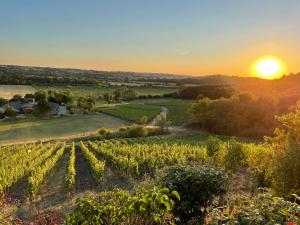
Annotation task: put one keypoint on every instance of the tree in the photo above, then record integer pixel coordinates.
(3, 102)
(10, 112)
(16, 98)
(286, 162)
(43, 106)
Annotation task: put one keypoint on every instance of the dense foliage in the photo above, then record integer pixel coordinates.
(148, 207)
(286, 158)
(210, 91)
(263, 209)
(240, 115)
(198, 185)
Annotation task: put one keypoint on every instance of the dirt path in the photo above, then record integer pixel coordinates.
(241, 183)
(114, 178)
(84, 177)
(163, 110)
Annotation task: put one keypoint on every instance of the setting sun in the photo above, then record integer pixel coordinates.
(269, 68)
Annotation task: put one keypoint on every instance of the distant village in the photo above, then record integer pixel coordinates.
(25, 106)
(35, 104)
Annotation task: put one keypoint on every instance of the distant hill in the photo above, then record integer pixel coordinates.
(287, 86)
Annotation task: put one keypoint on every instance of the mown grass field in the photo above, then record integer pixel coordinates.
(35, 129)
(133, 111)
(8, 91)
(96, 91)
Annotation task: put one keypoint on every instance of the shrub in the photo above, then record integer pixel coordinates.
(197, 185)
(148, 206)
(10, 112)
(137, 131)
(260, 210)
(103, 131)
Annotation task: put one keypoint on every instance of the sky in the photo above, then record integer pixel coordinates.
(196, 37)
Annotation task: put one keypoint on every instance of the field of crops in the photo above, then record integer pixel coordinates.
(45, 173)
(133, 111)
(50, 176)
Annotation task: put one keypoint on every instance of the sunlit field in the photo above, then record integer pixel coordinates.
(47, 129)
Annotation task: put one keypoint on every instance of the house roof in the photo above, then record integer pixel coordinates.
(17, 105)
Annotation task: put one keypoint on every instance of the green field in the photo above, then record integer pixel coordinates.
(96, 91)
(177, 110)
(132, 112)
(8, 91)
(36, 129)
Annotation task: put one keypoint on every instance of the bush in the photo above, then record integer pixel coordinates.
(259, 210)
(10, 112)
(137, 131)
(103, 131)
(148, 207)
(197, 185)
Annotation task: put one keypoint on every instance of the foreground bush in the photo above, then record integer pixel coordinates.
(148, 207)
(197, 185)
(263, 209)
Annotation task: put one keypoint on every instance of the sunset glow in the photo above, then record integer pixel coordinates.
(269, 68)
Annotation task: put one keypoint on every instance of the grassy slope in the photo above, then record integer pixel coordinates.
(132, 112)
(177, 109)
(29, 130)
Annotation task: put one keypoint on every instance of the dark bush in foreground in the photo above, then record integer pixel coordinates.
(148, 207)
(197, 185)
(259, 210)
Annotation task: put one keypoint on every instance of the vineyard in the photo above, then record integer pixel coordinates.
(32, 163)
(29, 172)
(45, 176)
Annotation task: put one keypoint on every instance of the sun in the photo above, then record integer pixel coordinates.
(269, 68)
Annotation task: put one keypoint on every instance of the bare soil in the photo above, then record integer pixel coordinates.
(84, 177)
